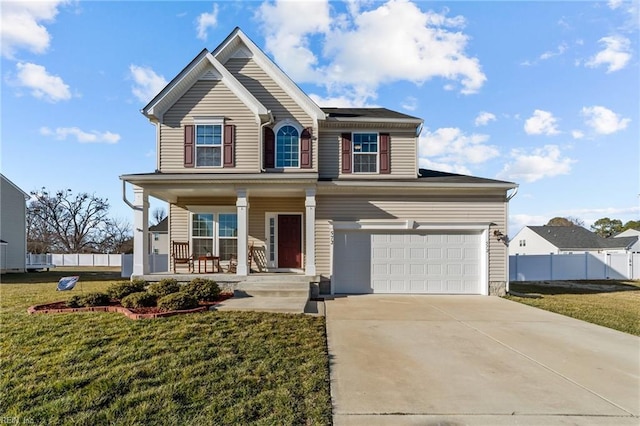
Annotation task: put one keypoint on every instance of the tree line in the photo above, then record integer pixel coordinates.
(605, 227)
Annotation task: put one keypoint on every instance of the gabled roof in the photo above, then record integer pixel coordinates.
(162, 226)
(237, 40)
(203, 63)
(15, 186)
(579, 238)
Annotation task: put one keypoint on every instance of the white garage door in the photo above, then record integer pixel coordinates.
(431, 263)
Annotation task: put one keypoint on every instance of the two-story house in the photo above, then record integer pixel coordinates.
(247, 159)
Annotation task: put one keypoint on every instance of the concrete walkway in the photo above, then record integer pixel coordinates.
(474, 360)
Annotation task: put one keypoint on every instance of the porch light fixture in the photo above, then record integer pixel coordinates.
(500, 236)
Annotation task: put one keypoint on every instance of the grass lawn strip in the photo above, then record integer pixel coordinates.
(209, 368)
(615, 304)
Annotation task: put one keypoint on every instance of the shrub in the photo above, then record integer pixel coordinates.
(122, 289)
(141, 299)
(164, 287)
(177, 302)
(95, 299)
(203, 289)
(75, 302)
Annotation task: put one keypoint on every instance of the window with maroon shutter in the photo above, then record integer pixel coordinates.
(228, 145)
(346, 153)
(305, 148)
(385, 154)
(269, 148)
(189, 133)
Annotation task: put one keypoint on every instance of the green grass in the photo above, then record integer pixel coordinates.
(209, 368)
(616, 306)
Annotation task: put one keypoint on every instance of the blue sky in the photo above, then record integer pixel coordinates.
(545, 94)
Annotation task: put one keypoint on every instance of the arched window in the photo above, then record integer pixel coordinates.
(287, 147)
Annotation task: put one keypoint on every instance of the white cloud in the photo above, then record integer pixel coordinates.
(43, 85)
(147, 84)
(577, 134)
(450, 149)
(541, 123)
(519, 221)
(615, 55)
(614, 4)
(371, 45)
(535, 165)
(604, 121)
(62, 133)
(550, 54)
(410, 103)
(484, 118)
(21, 25)
(205, 21)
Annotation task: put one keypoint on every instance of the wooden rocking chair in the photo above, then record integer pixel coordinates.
(181, 256)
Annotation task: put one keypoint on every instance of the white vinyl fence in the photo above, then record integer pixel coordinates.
(157, 263)
(583, 266)
(76, 259)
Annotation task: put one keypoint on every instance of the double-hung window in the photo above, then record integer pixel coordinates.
(215, 234)
(287, 147)
(209, 141)
(365, 152)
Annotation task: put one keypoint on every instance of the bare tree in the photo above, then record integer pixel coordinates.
(158, 215)
(117, 237)
(62, 222)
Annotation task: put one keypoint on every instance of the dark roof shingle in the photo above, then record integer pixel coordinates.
(577, 237)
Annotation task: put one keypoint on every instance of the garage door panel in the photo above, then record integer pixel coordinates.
(411, 262)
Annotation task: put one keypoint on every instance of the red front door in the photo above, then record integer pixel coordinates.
(289, 241)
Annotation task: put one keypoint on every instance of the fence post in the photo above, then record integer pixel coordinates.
(586, 265)
(515, 278)
(551, 267)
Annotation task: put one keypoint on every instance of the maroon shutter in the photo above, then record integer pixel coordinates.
(346, 153)
(305, 148)
(385, 154)
(228, 146)
(269, 148)
(189, 146)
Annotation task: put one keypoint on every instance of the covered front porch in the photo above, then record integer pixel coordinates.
(261, 225)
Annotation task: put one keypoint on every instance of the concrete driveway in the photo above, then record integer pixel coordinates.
(477, 360)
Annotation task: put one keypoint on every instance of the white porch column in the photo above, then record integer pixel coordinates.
(310, 232)
(140, 231)
(242, 206)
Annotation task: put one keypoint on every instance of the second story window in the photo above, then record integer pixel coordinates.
(287, 147)
(209, 145)
(365, 153)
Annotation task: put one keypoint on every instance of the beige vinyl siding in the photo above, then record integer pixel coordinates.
(209, 98)
(403, 154)
(428, 209)
(271, 95)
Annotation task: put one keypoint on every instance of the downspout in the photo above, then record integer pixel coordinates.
(506, 231)
(124, 196)
(261, 137)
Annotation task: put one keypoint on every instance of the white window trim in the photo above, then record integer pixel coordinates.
(353, 154)
(208, 121)
(276, 128)
(273, 266)
(215, 211)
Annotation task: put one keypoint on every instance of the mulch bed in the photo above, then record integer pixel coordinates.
(115, 306)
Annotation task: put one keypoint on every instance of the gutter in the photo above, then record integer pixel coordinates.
(261, 138)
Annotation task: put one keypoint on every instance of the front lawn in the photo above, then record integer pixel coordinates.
(613, 304)
(206, 368)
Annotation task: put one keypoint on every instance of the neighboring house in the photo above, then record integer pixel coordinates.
(13, 227)
(565, 240)
(159, 237)
(246, 159)
(631, 233)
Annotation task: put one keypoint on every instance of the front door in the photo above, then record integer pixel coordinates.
(289, 241)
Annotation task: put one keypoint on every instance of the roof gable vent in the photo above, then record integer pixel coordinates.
(210, 74)
(242, 52)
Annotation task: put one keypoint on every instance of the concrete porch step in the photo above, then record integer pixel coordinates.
(272, 289)
(291, 305)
